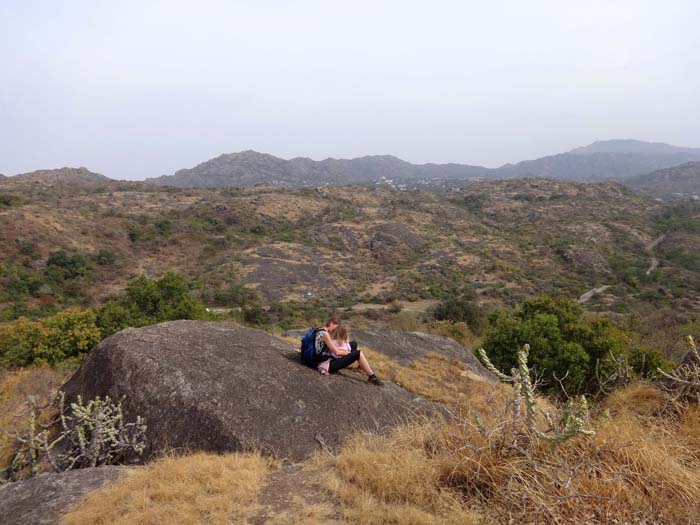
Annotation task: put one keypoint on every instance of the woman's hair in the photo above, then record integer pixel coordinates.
(342, 333)
(335, 319)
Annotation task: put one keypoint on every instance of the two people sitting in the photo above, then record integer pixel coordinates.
(336, 352)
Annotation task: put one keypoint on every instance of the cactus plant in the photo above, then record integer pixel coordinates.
(573, 418)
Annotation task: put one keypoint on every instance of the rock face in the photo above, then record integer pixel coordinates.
(43, 499)
(222, 387)
(407, 347)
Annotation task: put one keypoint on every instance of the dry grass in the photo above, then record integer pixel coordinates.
(640, 399)
(201, 488)
(437, 378)
(382, 480)
(641, 467)
(15, 387)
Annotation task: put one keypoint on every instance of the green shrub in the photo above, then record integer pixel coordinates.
(293, 314)
(133, 232)
(461, 308)
(149, 301)
(255, 315)
(61, 266)
(7, 200)
(105, 258)
(29, 249)
(68, 334)
(163, 227)
(646, 363)
(18, 283)
(563, 343)
(113, 317)
(72, 332)
(237, 295)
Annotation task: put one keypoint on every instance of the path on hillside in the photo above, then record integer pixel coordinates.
(590, 293)
(649, 248)
(295, 494)
(653, 265)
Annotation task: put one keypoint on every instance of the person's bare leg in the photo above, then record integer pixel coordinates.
(364, 364)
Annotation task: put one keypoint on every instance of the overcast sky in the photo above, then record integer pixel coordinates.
(134, 89)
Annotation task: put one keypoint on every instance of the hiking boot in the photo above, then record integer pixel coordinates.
(374, 380)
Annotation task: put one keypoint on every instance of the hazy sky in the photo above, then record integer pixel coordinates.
(134, 89)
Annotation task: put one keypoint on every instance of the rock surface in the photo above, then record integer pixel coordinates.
(42, 500)
(407, 347)
(222, 387)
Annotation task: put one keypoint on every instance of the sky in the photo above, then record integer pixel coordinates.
(136, 89)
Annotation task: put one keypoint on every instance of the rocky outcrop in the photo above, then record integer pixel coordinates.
(43, 499)
(407, 347)
(222, 387)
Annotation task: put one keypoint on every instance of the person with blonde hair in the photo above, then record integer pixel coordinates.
(337, 351)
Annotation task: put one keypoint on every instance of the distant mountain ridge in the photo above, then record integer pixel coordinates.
(631, 146)
(602, 160)
(248, 168)
(681, 181)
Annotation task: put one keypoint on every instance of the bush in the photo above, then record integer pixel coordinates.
(133, 232)
(105, 258)
(462, 308)
(113, 317)
(255, 315)
(163, 227)
(237, 295)
(7, 200)
(61, 266)
(646, 363)
(18, 283)
(563, 343)
(149, 301)
(68, 334)
(293, 314)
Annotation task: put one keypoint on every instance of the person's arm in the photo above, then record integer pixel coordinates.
(329, 343)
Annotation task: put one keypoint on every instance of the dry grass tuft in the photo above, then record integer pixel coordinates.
(639, 399)
(201, 488)
(437, 378)
(16, 386)
(382, 480)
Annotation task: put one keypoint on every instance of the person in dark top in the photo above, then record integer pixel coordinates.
(340, 356)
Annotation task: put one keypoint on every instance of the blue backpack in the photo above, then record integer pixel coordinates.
(308, 348)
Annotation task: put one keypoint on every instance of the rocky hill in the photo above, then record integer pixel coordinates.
(74, 176)
(249, 168)
(604, 160)
(678, 182)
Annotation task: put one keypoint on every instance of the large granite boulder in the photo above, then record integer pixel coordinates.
(407, 347)
(222, 387)
(43, 499)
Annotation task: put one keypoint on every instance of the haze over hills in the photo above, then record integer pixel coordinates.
(602, 160)
(681, 181)
(611, 160)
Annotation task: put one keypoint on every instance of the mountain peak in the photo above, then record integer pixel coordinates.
(631, 147)
(81, 174)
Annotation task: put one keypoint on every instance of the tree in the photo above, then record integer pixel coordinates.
(564, 345)
(461, 308)
(149, 301)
